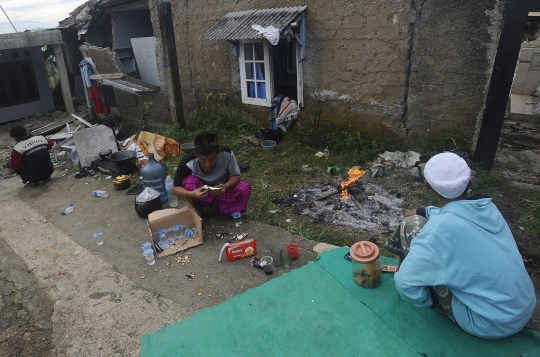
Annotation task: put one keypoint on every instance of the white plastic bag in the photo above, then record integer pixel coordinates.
(147, 195)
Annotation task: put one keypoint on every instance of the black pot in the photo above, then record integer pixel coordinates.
(143, 209)
(123, 158)
(103, 155)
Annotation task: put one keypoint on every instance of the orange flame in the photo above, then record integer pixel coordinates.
(354, 175)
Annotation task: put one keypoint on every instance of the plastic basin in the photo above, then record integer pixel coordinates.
(268, 145)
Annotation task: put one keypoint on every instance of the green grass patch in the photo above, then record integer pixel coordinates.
(531, 215)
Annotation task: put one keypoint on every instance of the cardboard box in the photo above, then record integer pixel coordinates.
(167, 218)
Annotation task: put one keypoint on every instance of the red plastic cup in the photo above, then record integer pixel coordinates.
(292, 250)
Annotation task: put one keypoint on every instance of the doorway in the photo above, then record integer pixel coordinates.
(285, 69)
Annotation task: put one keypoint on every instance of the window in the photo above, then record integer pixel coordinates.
(17, 83)
(255, 70)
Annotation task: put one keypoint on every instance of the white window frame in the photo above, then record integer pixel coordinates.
(268, 74)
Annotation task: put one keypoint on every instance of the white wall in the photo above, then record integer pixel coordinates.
(45, 104)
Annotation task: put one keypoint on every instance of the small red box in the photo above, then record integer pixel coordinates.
(241, 249)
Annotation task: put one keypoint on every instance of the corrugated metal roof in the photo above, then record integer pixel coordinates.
(237, 25)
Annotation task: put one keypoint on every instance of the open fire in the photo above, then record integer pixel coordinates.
(354, 175)
(370, 207)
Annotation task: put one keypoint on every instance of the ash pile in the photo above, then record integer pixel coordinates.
(365, 206)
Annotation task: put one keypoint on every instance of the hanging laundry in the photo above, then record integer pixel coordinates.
(86, 72)
(106, 90)
(95, 95)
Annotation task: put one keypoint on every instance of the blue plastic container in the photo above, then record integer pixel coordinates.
(153, 175)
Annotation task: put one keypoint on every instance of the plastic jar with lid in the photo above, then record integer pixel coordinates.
(366, 264)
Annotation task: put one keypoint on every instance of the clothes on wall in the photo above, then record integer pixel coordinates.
(99, 97)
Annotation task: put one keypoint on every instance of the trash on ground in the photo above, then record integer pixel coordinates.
(238, 250)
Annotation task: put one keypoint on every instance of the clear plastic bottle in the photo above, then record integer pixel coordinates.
(163, 239)
(75, 156)
(169, 185)
(190, 233)
(237, 218)
(68, 210)
(99, 193)
(179, 230)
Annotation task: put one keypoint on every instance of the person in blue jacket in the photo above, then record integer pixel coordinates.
(462, 259)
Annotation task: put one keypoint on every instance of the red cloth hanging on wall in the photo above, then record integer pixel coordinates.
(97, 102)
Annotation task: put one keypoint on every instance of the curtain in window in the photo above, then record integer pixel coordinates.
(261, 86)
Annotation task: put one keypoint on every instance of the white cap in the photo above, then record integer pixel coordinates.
(448, 174)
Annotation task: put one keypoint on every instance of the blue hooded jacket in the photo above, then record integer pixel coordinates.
(467, 246)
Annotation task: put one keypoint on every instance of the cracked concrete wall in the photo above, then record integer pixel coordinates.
(407, 68)
(452, 60)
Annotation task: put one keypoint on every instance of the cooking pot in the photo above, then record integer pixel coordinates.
(122, 182)
(143, 209)
(123, 158)
(104, 154)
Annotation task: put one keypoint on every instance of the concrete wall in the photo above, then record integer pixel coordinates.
(527, 76)
(387, 68)
(45, 104)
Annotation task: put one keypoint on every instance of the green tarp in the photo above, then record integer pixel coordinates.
(318, 310)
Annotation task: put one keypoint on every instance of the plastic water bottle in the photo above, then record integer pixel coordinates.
(99, 193)
(163, 239)
(179, 230)
(75, 157)
(237, 218)
(149, 255)
(68, 210)
(153, 175)
(169, 185)
(190, 233)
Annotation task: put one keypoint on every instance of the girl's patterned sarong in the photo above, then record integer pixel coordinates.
(233, 200)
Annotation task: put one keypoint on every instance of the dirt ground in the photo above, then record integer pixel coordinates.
(57, 291)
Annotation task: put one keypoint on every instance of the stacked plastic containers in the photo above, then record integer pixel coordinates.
(153, 175)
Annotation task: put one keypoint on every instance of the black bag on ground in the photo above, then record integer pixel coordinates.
(267, 134)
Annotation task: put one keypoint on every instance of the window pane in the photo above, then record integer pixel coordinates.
(251, 89)
(261, 90)
(248, 51)
(249, 70)
(259, 51)
(27, 72)
(260, 70)
(12, 71)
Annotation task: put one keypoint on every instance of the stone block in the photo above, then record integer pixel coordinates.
(523, 67)
(528, 88)
(517, 88)
(526, 54)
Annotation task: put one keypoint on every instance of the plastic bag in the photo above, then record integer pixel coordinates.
(147, 195)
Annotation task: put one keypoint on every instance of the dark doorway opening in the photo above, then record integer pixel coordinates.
(285, 71)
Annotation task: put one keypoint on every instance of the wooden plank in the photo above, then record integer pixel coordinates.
(97, 77)
(82, 121)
